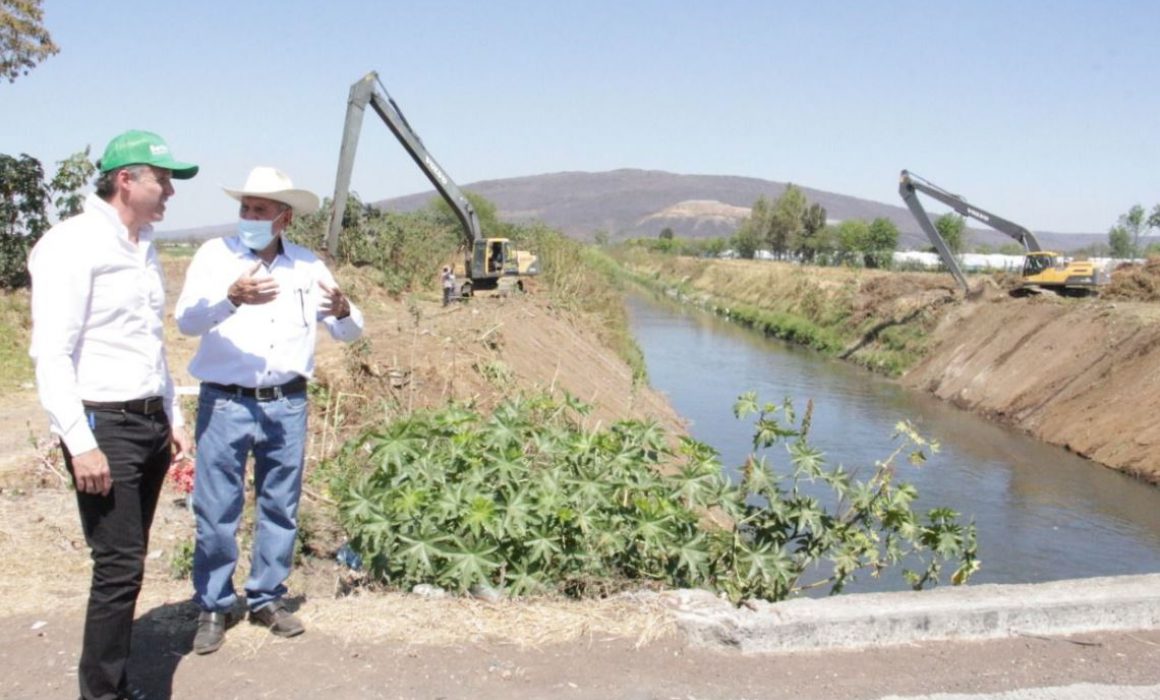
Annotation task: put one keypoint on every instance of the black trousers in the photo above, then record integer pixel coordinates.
(116, 528)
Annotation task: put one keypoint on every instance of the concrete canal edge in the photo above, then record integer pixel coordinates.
(953, 613)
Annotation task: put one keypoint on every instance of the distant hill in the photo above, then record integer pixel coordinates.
(641, 203)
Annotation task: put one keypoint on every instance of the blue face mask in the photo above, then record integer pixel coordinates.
(256, 235)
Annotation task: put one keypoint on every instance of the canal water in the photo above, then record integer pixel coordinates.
(1042, 513)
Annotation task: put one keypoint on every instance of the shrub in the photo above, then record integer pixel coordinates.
(529, 501)
(24, 198)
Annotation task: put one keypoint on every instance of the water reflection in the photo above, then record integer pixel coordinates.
(1042, 513)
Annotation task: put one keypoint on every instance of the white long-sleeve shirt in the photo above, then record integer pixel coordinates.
(257, 345)
(98, 301)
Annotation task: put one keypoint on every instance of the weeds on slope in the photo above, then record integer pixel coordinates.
(528, 501)
(876, 319)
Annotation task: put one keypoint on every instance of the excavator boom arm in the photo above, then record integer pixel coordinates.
(363, 93)
(910, 183)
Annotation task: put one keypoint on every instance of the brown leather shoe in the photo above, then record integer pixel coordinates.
(280, 620)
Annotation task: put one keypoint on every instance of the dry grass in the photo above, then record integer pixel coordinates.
(15, 332)
(399, 617)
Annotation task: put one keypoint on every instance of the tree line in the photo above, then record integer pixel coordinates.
(1124, 239)
(792, 228)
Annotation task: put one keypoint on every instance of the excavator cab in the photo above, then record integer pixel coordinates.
(1035, 263)
(490, 257)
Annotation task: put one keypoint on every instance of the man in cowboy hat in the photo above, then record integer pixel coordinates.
(98, 300)
(255, 299)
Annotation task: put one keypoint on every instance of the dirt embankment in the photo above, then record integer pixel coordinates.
(416, 353)
(1081, 373)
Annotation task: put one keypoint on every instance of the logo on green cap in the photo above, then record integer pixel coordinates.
(143, 148)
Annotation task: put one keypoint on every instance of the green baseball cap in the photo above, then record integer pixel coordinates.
(143, 148)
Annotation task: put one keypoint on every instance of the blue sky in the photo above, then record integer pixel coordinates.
(1038, 111)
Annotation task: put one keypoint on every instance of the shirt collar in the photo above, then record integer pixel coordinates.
(96, 205)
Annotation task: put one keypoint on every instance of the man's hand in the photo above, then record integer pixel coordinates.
(335, 302)
(249, 290)
(181, 444)
(91, 472)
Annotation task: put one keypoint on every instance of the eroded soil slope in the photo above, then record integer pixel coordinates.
(1081, 373)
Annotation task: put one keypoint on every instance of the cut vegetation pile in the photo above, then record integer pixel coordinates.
(1135, 282)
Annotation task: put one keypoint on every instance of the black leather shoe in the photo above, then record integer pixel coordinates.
(211, 632)
(280, 620)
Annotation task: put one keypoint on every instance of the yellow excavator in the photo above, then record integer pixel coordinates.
(1042, 269)
(489, 263)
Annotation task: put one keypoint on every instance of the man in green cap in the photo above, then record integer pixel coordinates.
(98, 300)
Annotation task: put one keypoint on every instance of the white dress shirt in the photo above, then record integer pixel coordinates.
(98, 301)
(257, 345)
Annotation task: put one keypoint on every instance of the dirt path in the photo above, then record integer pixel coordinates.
(38, 654)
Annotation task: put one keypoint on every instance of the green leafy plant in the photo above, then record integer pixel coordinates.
(181, 564)
(24, 198)
(527, 500)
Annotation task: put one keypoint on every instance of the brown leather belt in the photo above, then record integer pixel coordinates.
(262, 393)
(145, 407)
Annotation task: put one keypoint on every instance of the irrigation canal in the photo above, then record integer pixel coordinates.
(1042, 513)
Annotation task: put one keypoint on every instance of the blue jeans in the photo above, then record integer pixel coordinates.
(229, 428)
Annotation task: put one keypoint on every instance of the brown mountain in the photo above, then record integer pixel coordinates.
(631, 203)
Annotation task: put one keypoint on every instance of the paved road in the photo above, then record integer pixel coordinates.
(1083, 691)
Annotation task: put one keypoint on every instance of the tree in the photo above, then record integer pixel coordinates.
(71, 175)
(746, 240)
(852, 236)
(666, 234)
(786, 220)
(715, 246)
(811, 241)
(486, 215)
(1120, 241)
(601, 237)
(952, 227)
(1135, 224)
(24, 42)
(751, 233)
(882, 240)
(23, 219)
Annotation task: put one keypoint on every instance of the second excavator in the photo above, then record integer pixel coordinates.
(1042, 269)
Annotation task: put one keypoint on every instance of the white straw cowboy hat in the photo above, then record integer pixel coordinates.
(271, 183)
